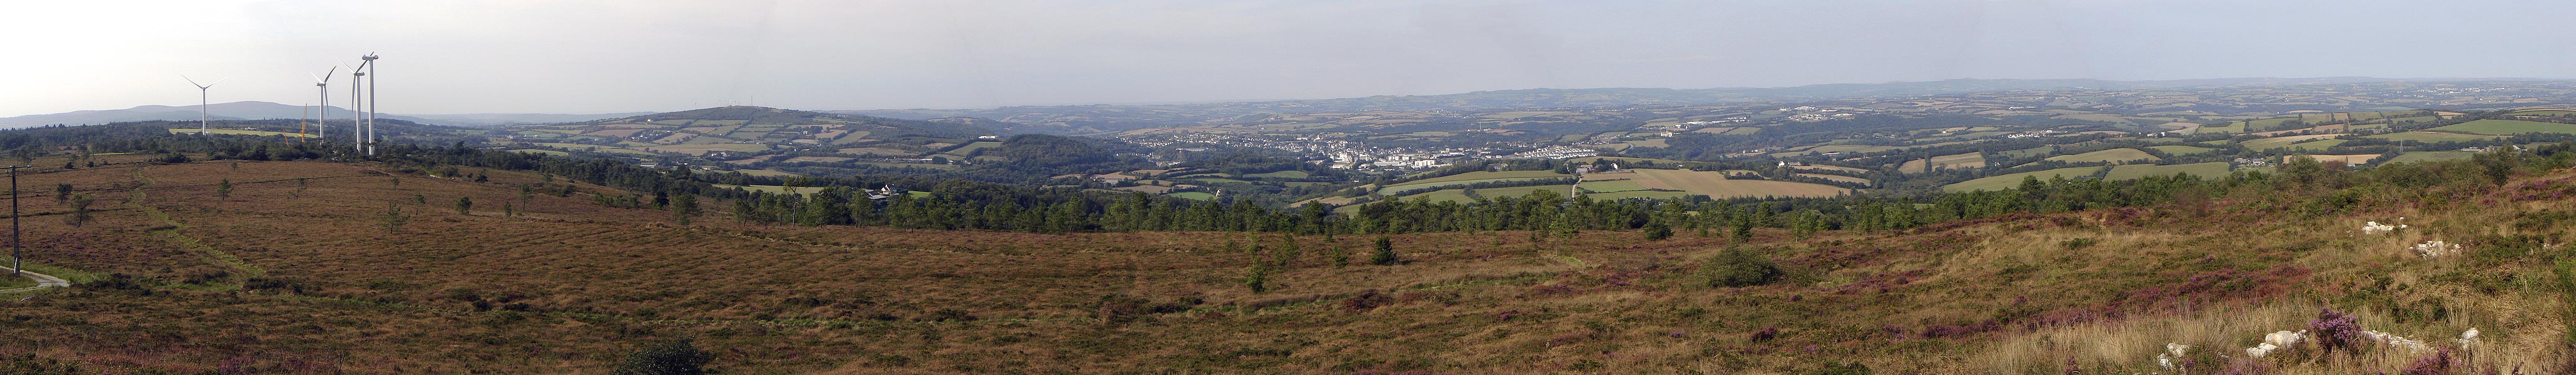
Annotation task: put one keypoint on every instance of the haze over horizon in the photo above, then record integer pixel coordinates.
(597, 56)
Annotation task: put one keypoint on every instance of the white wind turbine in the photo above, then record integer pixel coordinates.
(322, 90)
(201, 101)
(370, 60)
(364, 122)
(357, 130)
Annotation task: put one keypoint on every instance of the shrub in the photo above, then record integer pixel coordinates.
(1845, 368)
(2336, 331)
(1658, 231)
(1736, 267)
(2437, 364)
(1766, 334)
(1257, 277)
(666, 357)
(1385, 254)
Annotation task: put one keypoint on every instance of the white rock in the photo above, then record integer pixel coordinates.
(2285, 338)
(2258, 351)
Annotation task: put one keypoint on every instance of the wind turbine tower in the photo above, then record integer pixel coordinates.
(370, 62)
(357, 108)
(201, 102)
(362, 108)
(322, 90)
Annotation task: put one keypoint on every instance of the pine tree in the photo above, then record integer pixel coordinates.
(393, 218)
(224, 189)
(667, 357)
(1257, 277)
(683, 208)
(465, 206)
(1385, 254)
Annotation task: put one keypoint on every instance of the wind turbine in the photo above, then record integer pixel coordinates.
(370, 62)
(357, 83)
(201, 101)
(322, 90)
(363, 122)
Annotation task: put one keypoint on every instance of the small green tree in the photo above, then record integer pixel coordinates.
(1337, 254)
(62, 192)
(1657, 231)
(1288, 252)
(508, 210)
(80, 210)
(679, 356)
(465, 206)
(683, 208)
(1743, 230)
(224, 189)
(393, 218)
(1736, 267)
(1385, 254)
(1257, 277)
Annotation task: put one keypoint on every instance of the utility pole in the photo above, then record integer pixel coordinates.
(17, 263)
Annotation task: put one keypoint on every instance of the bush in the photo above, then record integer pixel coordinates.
(1385, 254)
(667, 357)
(1658, 232)
(1846, 368)
(1735, 267)
(2336, 331)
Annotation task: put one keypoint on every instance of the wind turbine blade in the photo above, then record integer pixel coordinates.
(192, 81)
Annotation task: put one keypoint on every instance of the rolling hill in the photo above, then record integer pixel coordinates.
(736, 132)
(255, 110)
(322, 267)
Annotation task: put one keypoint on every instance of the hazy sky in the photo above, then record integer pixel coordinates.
(473, 56)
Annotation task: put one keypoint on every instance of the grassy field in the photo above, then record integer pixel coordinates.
(1835, 177)
(1836, 168)
(2029, 152)
(1479, 176)
(2430, 136)
(772, 189)
(1715, 185)
(1638, 194)
(2416, 156)
(1197, 195)
(2111, 155)
(283, 278)
(240, 132)
(1953, 161)
(2358, 159)
(2181, 150)
(2136, 171)
(1560, 190)
(2300, 142)
(2013, 180)
(1470, 178)
(1279, 174)
(1611, 186)
(1957, 161)
(2507, 127)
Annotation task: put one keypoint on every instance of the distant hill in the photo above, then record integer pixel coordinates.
(745, 131)
(1089, 119)
(255, 110)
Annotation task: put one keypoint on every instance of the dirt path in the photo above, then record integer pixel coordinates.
(42, 281)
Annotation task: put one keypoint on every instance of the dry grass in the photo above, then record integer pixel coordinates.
(278, 280)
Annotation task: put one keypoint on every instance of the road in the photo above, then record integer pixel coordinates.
(42, 281)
